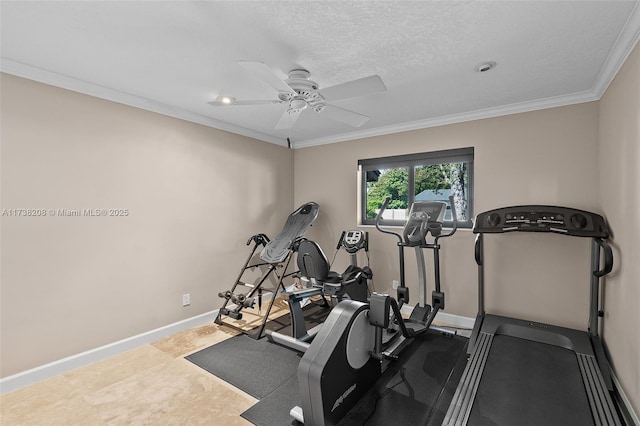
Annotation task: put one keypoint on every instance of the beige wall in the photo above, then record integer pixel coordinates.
(194, 195)
(586, 156)
(71, 284)
(619, 182)
(542, 157)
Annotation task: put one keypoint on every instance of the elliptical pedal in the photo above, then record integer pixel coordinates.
(420, 313)
(389, 335)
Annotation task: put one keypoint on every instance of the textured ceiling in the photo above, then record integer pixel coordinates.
(175, 56)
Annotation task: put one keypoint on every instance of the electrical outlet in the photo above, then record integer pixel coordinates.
(395, 284)
(186, 299)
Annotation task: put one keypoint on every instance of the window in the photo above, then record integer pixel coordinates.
(429, 176)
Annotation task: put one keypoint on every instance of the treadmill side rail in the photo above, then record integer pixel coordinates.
(602, 408)
(462, 402)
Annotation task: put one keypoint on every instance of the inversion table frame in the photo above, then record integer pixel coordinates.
(276, 257)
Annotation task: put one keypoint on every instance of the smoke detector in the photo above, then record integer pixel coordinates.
(486, 66)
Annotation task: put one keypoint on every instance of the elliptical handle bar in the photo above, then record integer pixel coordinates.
(454, 228)
(379, 218)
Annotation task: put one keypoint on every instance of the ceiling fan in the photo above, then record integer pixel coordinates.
(299, 92)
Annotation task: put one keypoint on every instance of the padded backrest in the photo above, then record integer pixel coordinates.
(312, 262)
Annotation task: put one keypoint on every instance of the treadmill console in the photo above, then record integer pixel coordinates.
(535, 218)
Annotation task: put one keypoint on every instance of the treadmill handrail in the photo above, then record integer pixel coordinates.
(477, 248)
(608, 258)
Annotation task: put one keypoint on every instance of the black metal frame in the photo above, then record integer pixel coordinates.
(242, 301)
(590, 355)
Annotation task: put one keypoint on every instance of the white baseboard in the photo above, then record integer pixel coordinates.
(37, 374)
(455, 320)
(443, 317)
(34, 375)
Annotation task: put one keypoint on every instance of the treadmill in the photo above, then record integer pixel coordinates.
(521, 372)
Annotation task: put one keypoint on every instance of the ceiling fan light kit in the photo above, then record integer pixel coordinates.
(227, 100)
(298, 92)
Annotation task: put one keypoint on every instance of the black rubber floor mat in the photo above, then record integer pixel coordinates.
(256, 367)
(417, 388)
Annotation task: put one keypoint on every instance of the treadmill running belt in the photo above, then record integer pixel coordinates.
(529, 383)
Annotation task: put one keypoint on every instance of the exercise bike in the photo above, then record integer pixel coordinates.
(317, 279)
(358, 340)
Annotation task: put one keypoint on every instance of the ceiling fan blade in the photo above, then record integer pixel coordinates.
(267, 75)
(344, 115)
(288, 119)
(351, 89)
(221, 103)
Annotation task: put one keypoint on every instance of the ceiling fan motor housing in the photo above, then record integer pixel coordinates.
(305, 92)
(299, 78)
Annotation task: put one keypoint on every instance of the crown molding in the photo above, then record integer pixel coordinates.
(515, 108)
(622, 48)
(624, 45)
(18, 69)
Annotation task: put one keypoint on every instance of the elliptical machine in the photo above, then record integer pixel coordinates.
(425, 217)
(357, 340)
